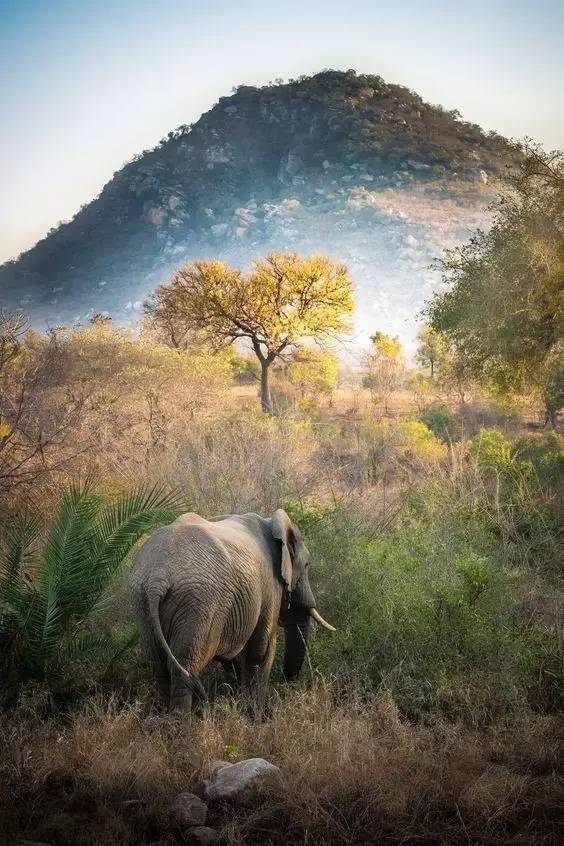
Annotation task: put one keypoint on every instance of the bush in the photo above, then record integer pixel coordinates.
(492, 450)
(488, 414)
(519, 508)
(45, 630)
(442, 423)
(243, 462)
(400, 451)
(431, 610)
(545, 451)
(246, 369)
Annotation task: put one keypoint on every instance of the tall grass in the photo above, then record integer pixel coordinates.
(353, 772)
(432, 715)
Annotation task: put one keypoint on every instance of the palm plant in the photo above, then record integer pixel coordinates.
(47, 598)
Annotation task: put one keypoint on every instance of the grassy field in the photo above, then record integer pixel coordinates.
(354, 771)
(434, 715)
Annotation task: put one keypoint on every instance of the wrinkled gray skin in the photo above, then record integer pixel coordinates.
(219, 588)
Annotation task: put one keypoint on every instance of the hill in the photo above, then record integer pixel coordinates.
(340, 163)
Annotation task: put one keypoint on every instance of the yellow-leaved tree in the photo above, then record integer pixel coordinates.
(384, 368)
(283, 300)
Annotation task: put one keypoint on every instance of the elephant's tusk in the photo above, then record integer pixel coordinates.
(313, 612)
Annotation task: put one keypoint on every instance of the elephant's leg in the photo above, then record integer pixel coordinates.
(183, 691)
(193, 646)
(257, 660)
(233, 668)
(194, 659)
(159, 661)
(180, 700)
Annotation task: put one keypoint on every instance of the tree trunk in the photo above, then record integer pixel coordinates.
(265, 400)
(550, 418)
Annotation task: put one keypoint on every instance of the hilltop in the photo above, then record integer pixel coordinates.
(341, 163)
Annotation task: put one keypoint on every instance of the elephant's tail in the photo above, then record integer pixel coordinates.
(153, 600)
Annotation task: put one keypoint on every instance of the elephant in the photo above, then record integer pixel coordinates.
(218, 588)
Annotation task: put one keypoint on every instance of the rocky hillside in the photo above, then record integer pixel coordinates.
(338, 162)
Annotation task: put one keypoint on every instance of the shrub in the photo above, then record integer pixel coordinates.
(513, 499)
(492, 450)
(431, 610)
(442, 423)
(246, 369)
(488, 414)
(400, 451)
(545, 451)
(313, 372)
(243, 462)
(48, 598)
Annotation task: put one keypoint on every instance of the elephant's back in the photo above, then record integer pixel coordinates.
(211, 577)
(155, 549)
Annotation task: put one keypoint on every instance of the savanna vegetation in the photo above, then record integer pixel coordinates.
(431, 496)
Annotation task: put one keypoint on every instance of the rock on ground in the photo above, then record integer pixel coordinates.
(189, 810)
(204, 836)
(231, 781)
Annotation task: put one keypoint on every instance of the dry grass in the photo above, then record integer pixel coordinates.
(350, 402)
(353, 772)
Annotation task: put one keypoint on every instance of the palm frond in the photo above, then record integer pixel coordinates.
(105, 649)
(43, 625)
(122, 523)
(15, 593)
(66, 556)
(135, 513)
(19, 536)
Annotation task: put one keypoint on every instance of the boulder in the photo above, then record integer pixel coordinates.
(234, 781)
(189, 810)
(217, 766)
(204, 835)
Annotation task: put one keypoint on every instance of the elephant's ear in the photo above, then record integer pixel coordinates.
(282, 530)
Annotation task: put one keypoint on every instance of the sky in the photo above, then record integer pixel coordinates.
(86, 84)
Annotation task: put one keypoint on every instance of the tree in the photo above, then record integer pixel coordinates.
(552, 380)
(384, 366)
(314, 372)
(283, 300)
(448, 372)
(34, 421)
(431, 348)
(502, 308)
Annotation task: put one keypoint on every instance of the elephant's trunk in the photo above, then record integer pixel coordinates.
(295, 635)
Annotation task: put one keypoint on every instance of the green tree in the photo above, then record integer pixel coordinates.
(282, 301)
(432, 348)
(502, 310)
(314, 372)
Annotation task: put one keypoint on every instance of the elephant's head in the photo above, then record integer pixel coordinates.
(298, 601)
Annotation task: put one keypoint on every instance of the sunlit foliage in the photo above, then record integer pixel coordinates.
(503, 308)
(282, 301)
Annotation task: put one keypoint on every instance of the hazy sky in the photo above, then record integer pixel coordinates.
(85, 84)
